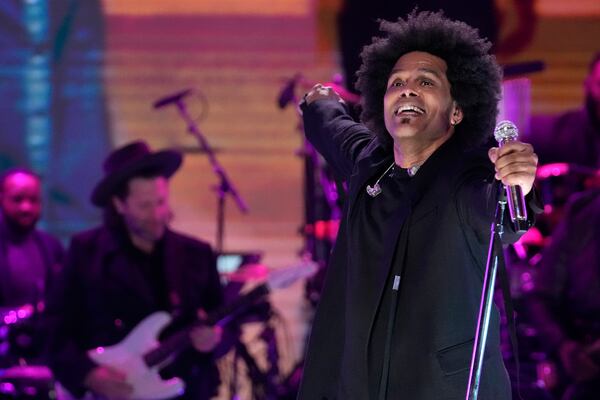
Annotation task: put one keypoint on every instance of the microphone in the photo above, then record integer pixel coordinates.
(506, 132)
(173, 98)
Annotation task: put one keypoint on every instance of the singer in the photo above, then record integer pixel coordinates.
(399, 308)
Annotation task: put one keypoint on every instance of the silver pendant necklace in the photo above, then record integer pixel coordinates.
(376, 188)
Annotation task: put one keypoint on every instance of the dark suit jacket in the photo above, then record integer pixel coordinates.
(440, 242)
(100, 298)
(52, 255)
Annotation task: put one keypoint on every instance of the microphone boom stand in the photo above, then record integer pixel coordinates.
(225, 185)
(487, 294)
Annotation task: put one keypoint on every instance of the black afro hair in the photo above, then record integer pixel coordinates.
(474, 75)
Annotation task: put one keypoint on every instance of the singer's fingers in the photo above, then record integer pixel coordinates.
(521, 168)
(516, 158)
(514, 147)
(522, 153)
(516, 164)
(321, 92)
(518, 173)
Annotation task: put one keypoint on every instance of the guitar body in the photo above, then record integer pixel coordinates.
(127, 356)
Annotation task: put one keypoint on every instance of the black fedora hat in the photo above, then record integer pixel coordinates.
(127, 161)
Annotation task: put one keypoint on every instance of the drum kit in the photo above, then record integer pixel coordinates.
(20, 376)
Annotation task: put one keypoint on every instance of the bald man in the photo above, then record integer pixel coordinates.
(29, 258)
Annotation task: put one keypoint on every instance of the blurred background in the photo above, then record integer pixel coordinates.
(79, 78)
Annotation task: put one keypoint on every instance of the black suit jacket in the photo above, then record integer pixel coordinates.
(100, 298)
(440, 241)
(52, 253)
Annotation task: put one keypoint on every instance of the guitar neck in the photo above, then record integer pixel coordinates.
(236, 307)
(181, 339)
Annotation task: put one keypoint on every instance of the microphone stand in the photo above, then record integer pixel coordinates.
(487, 294)
(225, 185)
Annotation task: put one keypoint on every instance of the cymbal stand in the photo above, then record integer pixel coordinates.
(225, 185)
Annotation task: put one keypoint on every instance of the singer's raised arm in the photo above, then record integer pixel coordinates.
(330, 128)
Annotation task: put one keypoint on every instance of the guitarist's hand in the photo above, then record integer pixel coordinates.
(206, 338)
(108, 382)
(577, 363)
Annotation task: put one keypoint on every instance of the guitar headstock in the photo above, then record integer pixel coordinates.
(283, 277)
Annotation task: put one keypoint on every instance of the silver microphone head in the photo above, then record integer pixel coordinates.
(506, 131)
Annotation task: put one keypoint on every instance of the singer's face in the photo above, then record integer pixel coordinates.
(146, 209)
(417, 104)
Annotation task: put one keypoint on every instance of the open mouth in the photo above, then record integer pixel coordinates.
(408, 110)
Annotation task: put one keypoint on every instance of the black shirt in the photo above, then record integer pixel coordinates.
(151, 266)
(375, 219)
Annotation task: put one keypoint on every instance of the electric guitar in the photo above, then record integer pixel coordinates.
(140, 356)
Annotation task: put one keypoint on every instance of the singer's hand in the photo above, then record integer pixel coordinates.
(321, 92)
(515, 164)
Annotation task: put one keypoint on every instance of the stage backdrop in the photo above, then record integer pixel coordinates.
(78, 77)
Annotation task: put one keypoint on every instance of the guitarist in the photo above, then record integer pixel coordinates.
(565, 300)
(124, 270)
